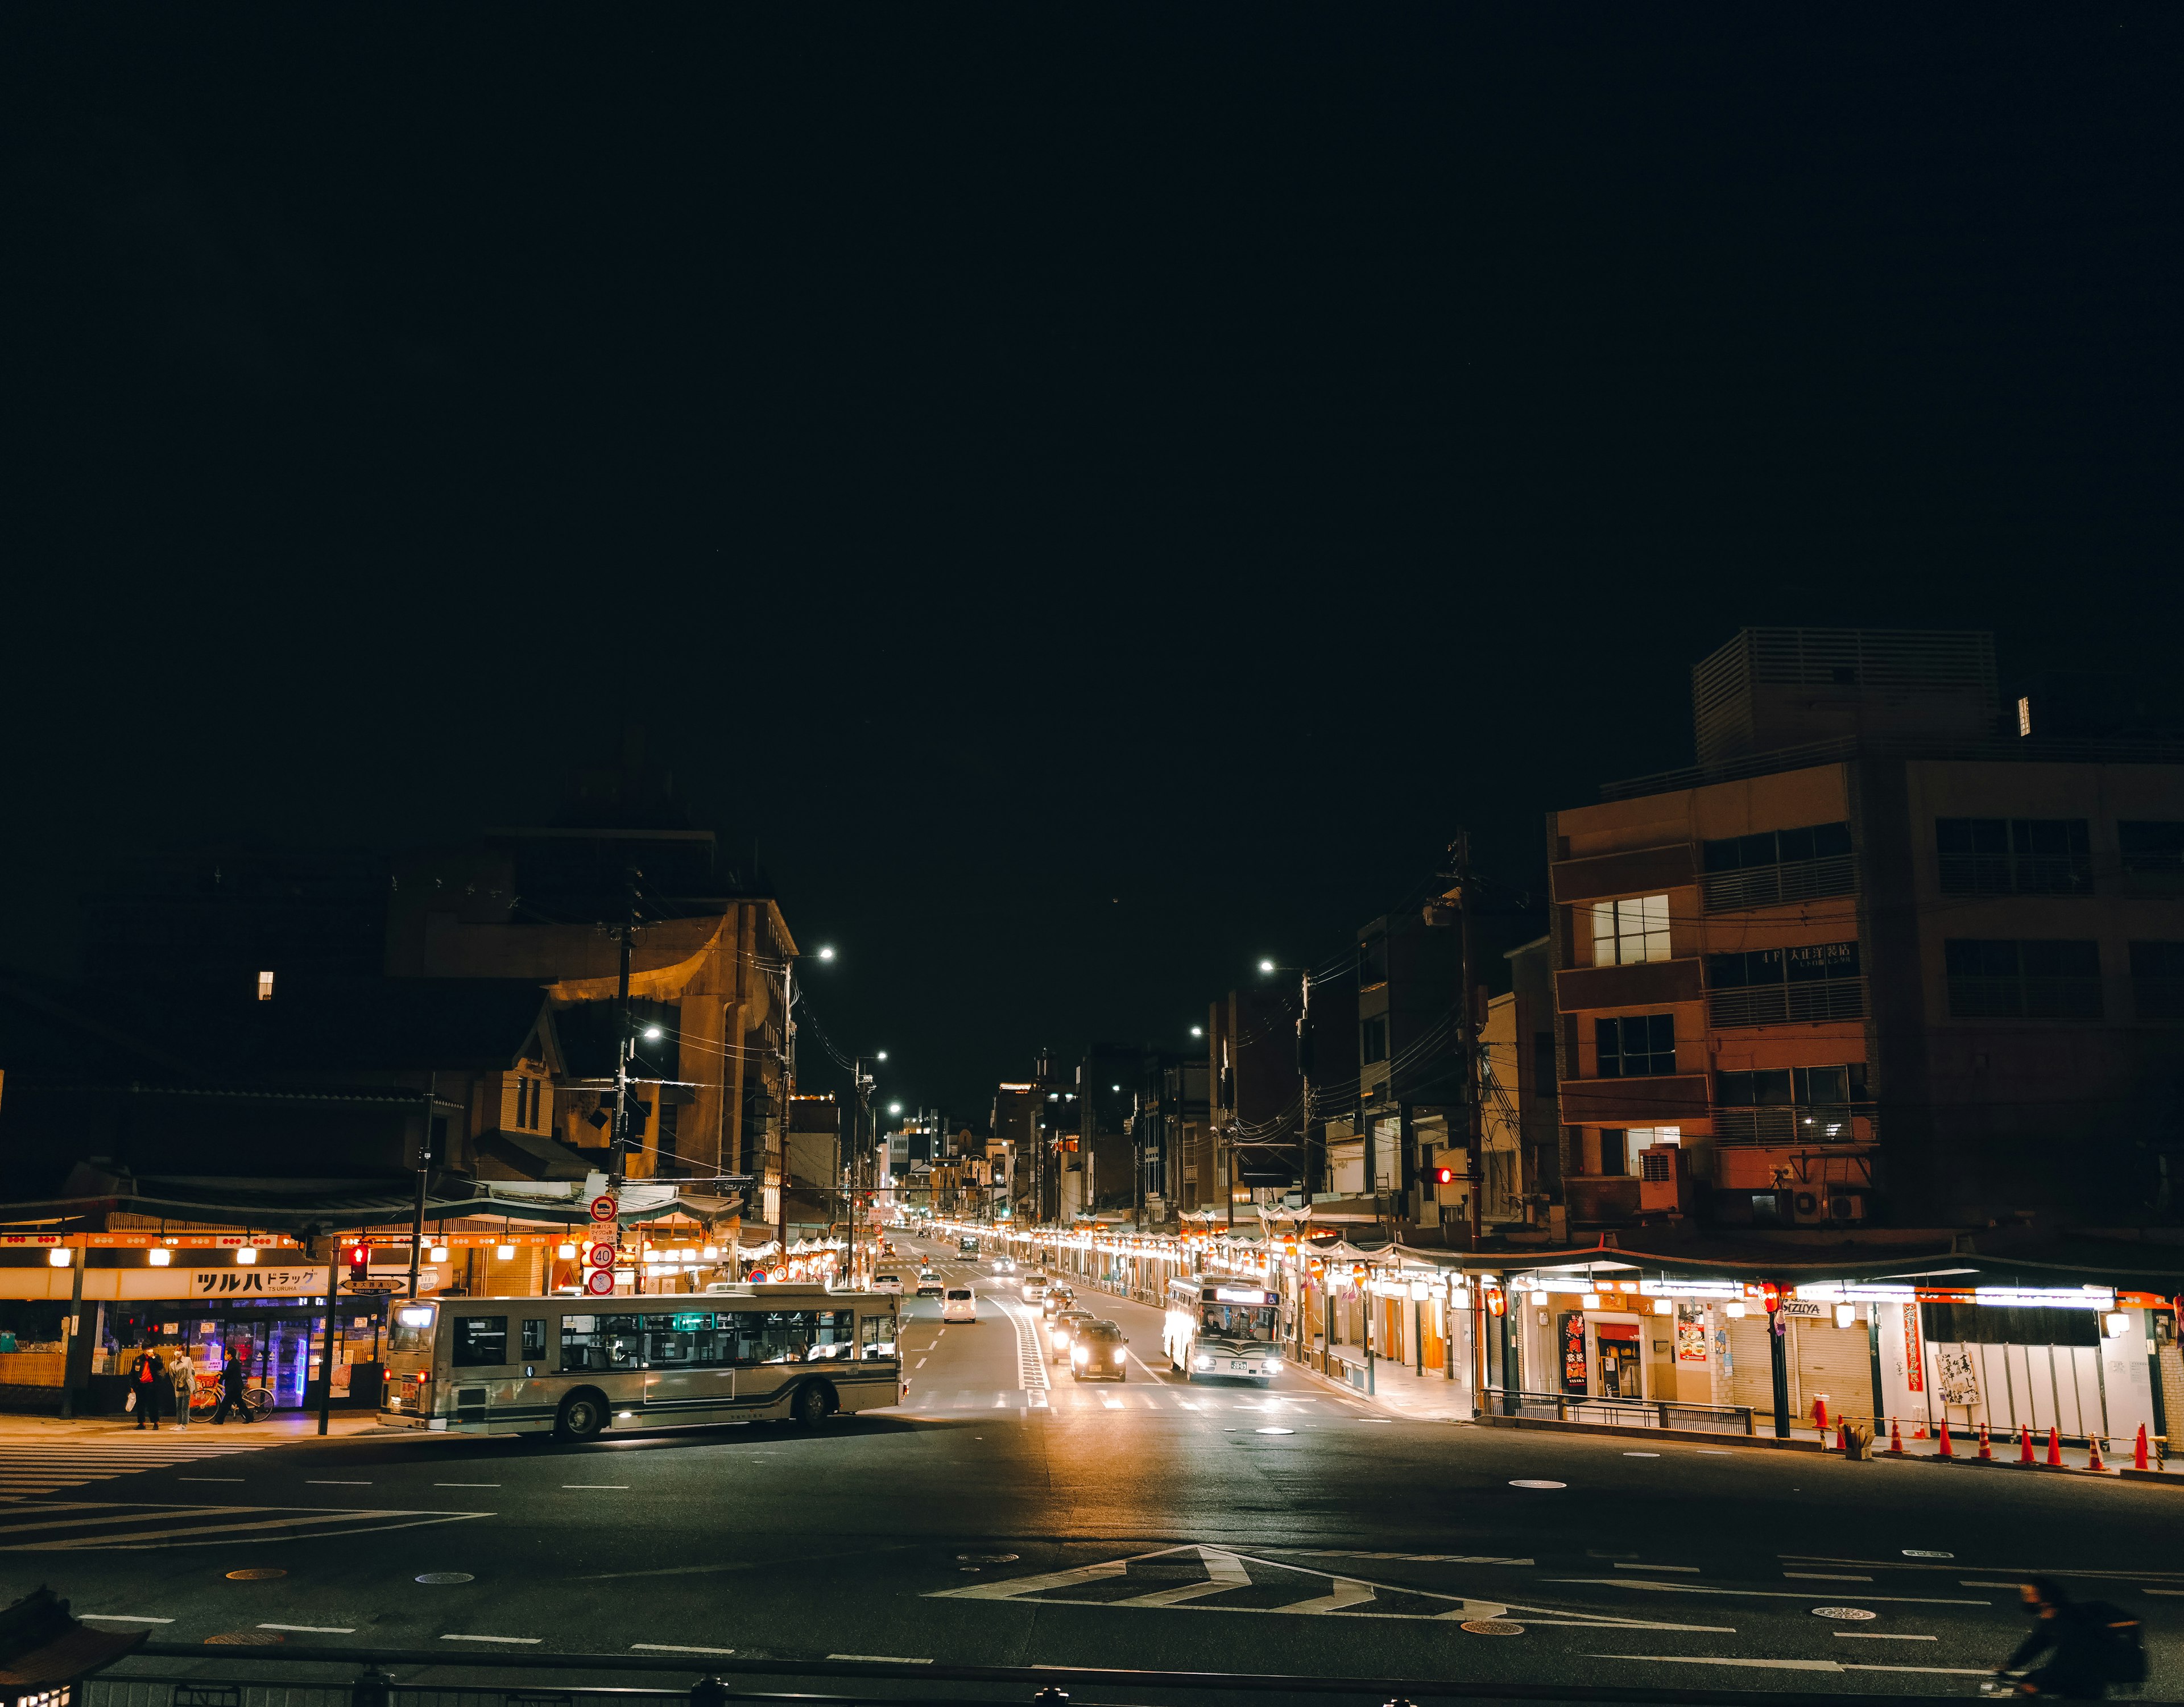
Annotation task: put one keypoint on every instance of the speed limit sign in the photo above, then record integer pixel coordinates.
(602, 1256)
(599, 1282)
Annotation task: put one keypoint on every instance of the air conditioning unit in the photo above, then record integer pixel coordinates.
(1664, 1180)
(1825, 1205)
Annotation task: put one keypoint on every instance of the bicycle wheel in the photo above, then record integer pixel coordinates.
(259, 1399)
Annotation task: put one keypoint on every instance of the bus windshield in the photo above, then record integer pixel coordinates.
(1244, 1322)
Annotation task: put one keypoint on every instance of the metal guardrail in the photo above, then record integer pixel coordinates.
(1626, 1412)
(203, 1685)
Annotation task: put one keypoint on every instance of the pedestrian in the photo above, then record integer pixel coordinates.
(147, 1377)
(185, 1377)
(233, 1374)
(2095, 1644)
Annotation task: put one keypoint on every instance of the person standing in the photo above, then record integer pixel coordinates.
(232, 1375)
(149, 1379)
(185, 1376)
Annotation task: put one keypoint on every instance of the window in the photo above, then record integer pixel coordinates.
(1373, 1040)
(1614, 1154)
(1642, 1137)
(1637, 1046)
(480, 1342)
(265, 986)
(1789, 1104)
(2152, 853)
(876, 1338)
(2157, 980)
(2041, 979)
(1772, 986)
(1776, 865)
(688, 1340)
(2014, 856)
(792, 1336)
(1371, 962)
(534, 1338)
(600, 1342)
(1629, 933)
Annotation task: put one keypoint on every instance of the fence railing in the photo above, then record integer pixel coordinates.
(1625, 1413)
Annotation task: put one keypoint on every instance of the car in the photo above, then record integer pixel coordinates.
(1060, 1298)
(929, 1284)
(1004, 1265)
(1062, 1330)
(886, 1248)
(888, 1283)
(1098, 1352)
(1034, 1288)
(958, 1305)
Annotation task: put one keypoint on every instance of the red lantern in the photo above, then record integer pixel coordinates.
(1770, 1295)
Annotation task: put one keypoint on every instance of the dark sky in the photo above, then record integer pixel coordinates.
(1099, 498)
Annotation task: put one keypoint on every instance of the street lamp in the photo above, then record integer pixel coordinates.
(653, 1033)
(1265, 966)
(1198, 1031)
(894, 1107)
(826, 954)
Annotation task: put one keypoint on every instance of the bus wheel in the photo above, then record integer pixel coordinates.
(809, 1406)
(582, 1417)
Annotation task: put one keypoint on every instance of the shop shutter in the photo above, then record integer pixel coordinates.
(1751, 1382)
(1834, 1361)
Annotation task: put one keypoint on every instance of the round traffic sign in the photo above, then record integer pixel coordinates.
(604, 1207)
(602, 1257)
(599, 1282)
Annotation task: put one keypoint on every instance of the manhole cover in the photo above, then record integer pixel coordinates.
(986, 1558)
(1848, 1614)
(1921, 1552)
(446, 1577)
(1539, 1484)
(260, 1574)
(1492, 1626)
(244, 1638)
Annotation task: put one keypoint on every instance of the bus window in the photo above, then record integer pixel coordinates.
(534, 1337)
(1237, 1322)
(598, 1342)
(411, 1329)
(792, 1336)
(876, 1338)
(687, 1340)
(831, 1334)
(480, 1342)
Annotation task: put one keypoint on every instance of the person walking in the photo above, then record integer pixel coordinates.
(232, 1375)
(147, 1377)
(2095, 1644)
(184, 1375)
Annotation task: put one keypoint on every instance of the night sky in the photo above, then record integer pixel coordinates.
(1097, 500)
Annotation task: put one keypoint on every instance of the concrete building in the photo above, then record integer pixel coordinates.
(1878, 957)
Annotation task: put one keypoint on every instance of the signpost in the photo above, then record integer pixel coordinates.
(606, 1237)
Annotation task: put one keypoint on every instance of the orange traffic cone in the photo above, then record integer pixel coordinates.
(1842, 1437)
(2054, 1449)
(2024, 1444)
(1942, 1435)
(1986, 1446)
(1820, 1417)
(1896, 1436)
(2138, 1452)
(1919, 1434)
(2093, 1452)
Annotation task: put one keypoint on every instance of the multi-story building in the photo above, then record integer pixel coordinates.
(1884, 954)
(1255, 1092)
(1521, 1131)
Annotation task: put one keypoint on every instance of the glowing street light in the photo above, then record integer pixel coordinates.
(1265, 966)
(826, 954)
(653, 1033)
(894, 1107)
(1198, 1031)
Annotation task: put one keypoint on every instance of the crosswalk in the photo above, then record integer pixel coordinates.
(31, 1467)
(135, 1526)
(1072, 1396)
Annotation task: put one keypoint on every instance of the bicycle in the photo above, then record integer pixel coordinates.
(258, 1402)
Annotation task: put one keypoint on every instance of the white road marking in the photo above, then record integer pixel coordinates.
(673, 1648)
(599, 1486)
(1224, 1571)
(1346, 1594)
(1713, 1659)
(1692, 1569)
(465, 1484)
(884, 1659)
(520, 1641)
(316, 1481)
(919, 1364)
(122, 1618)
(1829, 1576)
(1879, 1636)
(314, 1629)
(1766, 1594)
(209, 1478)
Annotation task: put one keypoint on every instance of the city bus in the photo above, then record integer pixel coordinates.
(1217, 1327)
(575, 1366)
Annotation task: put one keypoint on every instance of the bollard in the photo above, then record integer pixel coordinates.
(1985, 1446)
(373, 1688)
(1820, 1417)
(2093, 1452)
(2054, 1449)
(1896, 1436)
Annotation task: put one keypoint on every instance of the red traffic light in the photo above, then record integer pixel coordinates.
(359, 1255)
(1444, 1176)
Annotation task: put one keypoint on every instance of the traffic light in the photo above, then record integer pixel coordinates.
(1444, 1176)
(359, 1261)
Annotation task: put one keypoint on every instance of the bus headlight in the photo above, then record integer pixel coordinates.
(1204, 1362)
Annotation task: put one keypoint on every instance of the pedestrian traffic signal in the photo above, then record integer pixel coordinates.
(359, 1261)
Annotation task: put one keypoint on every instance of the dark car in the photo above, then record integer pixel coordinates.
(1098, 1353)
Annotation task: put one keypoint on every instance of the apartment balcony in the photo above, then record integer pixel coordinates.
(1652, 983)
(1641, 871)
(1663, 1100)
(1784, 1124)
(1804, 1001)
(1772, 885)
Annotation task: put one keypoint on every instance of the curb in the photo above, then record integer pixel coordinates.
(2070, 1470)
(1760, 1442)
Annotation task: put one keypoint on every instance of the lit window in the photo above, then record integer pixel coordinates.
(1642, 1137)
(265, 986)
(1625, 933)
(2023, 716)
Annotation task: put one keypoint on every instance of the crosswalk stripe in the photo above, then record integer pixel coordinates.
(1224, 1571)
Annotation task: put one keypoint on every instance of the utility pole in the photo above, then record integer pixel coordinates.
(424, 1171)
(1474, 1130)
(787, 1091)
(618, 1153)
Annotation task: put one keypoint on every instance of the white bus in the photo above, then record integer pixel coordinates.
(574, 1366)
(1221, 1328)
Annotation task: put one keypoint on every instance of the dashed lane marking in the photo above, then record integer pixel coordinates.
(1795, 1664)
(1764, 1593)
(673, 1648)
(84, 1527)
(518, 1641)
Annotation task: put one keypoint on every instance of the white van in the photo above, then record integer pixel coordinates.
(1034, 1289)
(957, 1305)
(888, 1283)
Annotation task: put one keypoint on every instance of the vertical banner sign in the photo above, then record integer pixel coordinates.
(1573, 1338)
(606, 1236)
(1914, 1351)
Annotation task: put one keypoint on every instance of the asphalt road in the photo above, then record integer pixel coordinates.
(1010, 1516)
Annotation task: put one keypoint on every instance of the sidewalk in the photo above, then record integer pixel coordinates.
(1397, 1388)
(281, 1429)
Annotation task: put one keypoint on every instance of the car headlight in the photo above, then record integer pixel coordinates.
(1119, 1357)
(1082, 1354)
